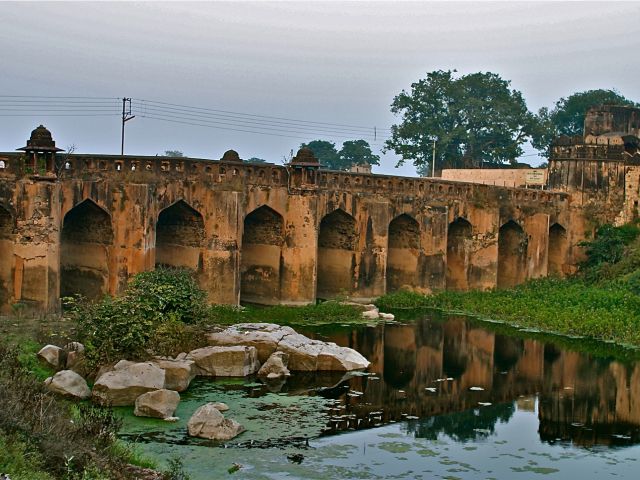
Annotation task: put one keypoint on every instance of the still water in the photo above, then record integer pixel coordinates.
(445, 397)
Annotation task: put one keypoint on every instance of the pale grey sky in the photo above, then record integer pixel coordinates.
(333, 62)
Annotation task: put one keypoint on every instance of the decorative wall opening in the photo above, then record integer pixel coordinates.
(85, 248)
(179, 237)
(512, 255)
(6, 255)
(459, 237)
(261, 257)
(403, 252)
(557, 250)
(337, 244)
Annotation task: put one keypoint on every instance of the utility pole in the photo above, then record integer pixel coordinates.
(433, 159)
(126, 116)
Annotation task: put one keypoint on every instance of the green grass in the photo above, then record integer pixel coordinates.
(327, 313)
(609, 312)
(19, 459)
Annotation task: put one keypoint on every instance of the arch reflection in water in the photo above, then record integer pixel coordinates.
(428, 367)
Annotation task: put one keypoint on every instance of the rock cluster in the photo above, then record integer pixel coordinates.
(236, 351)
(304, 353)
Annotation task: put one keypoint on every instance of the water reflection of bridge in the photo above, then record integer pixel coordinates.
(581, 398)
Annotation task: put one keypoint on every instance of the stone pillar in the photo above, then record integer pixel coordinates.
(537, 229)
(36, 280)
(299, 252)
(373, 223)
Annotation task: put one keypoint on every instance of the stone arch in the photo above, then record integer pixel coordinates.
(6, 255)
(557, 251)
(512, 255)
(261, 256)
(179, 237)
(337, 245)
(85, 250)
(459, 237)
(403, 252)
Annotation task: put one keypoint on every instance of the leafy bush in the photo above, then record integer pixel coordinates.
(159, 312)
(401, 300)
(607, 248)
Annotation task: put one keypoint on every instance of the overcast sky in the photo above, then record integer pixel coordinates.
(331, 62)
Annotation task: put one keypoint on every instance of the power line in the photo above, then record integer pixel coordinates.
(145, 108)
(255, 126)
(184, 122)
(260, 116)
(68, 106)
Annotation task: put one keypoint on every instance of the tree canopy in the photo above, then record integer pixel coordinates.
(473, 118)
(353, 152)
(173, 153)
(568, 114)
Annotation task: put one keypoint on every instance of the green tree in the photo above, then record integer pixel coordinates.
(257, 160)
(173, 153)
(473, 118)
(357, 152)
(567, 117)
(325, 152)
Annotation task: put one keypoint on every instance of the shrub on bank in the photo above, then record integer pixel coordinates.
(160, 312)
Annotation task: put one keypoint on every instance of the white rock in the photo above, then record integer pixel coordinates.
(157, 404)
(220, 406)
(236, 361)
(52, 355)
(208, 422)
(275, 366)
(69, 384)
(387, 316)
(371, 314)
(178, 373)
(304, 354)
(123, 385)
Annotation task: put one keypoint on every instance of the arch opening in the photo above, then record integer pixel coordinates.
(179, 237)
(261, 257)
(459, 236)
(85, 247)
(337, 244)
(512, 255)
(6, 257)
(403, 252)
(557, 251)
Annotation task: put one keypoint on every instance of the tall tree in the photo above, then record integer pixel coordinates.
(325, 152)
(357, 152)
(473, 118)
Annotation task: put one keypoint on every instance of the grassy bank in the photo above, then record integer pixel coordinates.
(601, 302)
(570, 307)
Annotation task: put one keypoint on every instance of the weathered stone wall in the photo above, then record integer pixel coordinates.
(263, 233)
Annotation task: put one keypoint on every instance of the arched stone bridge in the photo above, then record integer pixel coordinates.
(264, 233)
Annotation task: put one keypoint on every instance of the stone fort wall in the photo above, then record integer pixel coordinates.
(265, 233)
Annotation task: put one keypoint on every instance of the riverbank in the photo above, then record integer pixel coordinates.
(569, 307)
